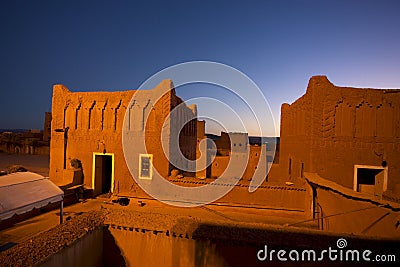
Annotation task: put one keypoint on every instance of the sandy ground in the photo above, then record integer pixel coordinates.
(34, 163)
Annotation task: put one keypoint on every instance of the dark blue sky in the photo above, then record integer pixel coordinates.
(116, 45)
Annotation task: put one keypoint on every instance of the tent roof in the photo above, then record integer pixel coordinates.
(22, 191)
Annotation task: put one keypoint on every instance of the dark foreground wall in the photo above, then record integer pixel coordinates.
(223, 245)
(87, 251)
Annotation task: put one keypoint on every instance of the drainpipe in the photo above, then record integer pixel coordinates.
(65, 131)
(61, 211)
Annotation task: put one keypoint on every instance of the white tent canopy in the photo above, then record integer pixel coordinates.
(22, 191)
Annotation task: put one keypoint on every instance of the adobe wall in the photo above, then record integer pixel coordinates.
(295, 141)
(188, 134)
(94, 121)
(95, 132)
(330, 129)
(220, 163)
(223, 144)
(274, 174)
(252, 164)
(202, 171)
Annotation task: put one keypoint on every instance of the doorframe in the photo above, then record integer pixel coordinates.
(385, 174)
(94, 169)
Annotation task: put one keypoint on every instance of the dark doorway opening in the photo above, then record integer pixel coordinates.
(370, 181)
(103, 174)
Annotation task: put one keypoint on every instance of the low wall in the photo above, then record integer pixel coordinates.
(224, 245)
(149, 249)
(280, 197)
(87, 251)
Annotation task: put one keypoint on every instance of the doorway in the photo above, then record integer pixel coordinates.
(103, 173)
(371, 180)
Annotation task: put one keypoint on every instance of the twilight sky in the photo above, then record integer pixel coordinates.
(117, 45)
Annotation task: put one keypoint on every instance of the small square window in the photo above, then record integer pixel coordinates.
(145, 166)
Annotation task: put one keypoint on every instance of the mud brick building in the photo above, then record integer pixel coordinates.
(88, 126)
(350, 136)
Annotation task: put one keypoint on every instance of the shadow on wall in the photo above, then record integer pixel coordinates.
(77, 179)
(97, 248)
(77, 174)
(112, 255)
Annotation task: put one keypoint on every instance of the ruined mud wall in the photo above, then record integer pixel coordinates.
(330, 129)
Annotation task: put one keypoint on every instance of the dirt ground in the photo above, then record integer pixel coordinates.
(34, 163)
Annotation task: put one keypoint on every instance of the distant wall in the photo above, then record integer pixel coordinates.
(42, 150)
(220, 163)
(25, 149)
(47, 127)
